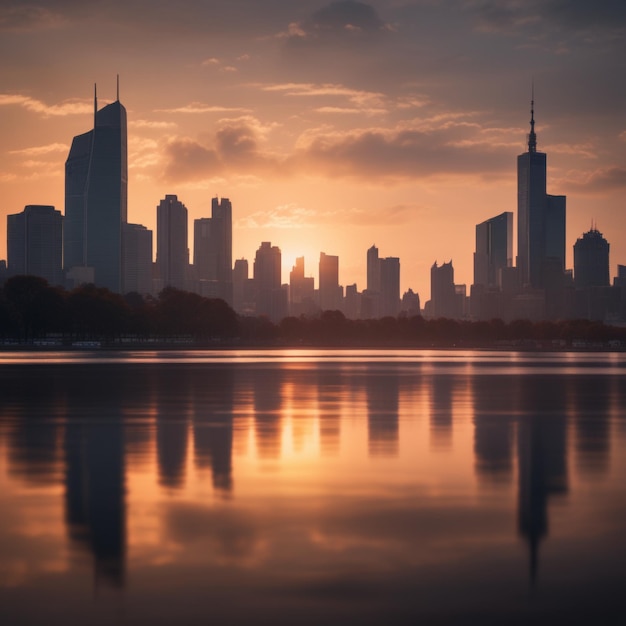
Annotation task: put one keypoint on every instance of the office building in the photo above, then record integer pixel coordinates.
(96, 190)
(269, 296)
(213, 248)
(172, 254)
(443, 299)
(35, 243)
(330, 292)
(494, 249)
(389, 286)
(301, 290)
(591, 260)
(373, 270)
(136, 259)
(540, 217)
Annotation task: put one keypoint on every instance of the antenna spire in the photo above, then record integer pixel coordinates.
(118, 87)
(95, 103)
(532, 137)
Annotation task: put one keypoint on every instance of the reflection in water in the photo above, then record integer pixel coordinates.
(542, 455)
(212, 407)
(406, 533)
(382, 413)
(443, 390)
(331, 388)
(268, 386)
(493, 427)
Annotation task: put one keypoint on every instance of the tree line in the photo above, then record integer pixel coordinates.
(31, 310)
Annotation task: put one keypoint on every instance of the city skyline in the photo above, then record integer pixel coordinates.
(414, 126)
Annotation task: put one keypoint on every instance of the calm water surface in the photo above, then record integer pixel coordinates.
(315, 487)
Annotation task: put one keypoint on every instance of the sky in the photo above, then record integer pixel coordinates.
(331, 127)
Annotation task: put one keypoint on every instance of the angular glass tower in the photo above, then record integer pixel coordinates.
(96, 196)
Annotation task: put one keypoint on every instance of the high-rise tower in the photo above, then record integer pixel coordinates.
(172, 255)
(35, 243)
(96, 193)
(540, 217)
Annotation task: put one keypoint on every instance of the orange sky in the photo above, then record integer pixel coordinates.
(331, 127)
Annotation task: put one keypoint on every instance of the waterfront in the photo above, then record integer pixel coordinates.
(309, 486)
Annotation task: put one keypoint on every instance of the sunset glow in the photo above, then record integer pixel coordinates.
(330, 126)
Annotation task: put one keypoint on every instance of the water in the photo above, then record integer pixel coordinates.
(312, 487)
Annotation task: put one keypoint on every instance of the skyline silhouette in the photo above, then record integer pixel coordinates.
(358, 123)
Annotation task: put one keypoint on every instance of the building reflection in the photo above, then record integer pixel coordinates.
(331, 390)
(443, 391)
(493, 427)
(590, 400)
(542, 456)
(34, 406)
(212, 411)
(382, 393)
(94, 480)
(268, 404)
(173, 387)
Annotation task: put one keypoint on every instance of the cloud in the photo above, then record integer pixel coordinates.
(67, 107)
(294, 216)
(196, 108)
(569, 16)
(444, 145)
(188, 160)
(345, 21)
(311, 90)
(41, 150)
(28, 17)
(157, 125)
(447, 144)
(601, 180)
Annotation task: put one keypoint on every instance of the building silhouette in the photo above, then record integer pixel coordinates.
(540, 217)
(35, 243)
(172, 255)
(270, 299)
(213, 251)
(389, 286)
(494, 249)
(136, 259)
(591, 260)
(243, 294)
(442, 291)
(301, 290)
(330, 292)
(96, 195)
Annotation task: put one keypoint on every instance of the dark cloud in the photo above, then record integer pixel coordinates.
(601, 181)
(378, 154)
(235, 148)
(579, 16)
(188, 160)
(20, 18)
(338, 22)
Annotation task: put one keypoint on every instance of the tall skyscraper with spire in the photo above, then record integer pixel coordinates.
(96, 196)
(540, 217)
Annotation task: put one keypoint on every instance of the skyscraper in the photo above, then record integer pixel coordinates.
(301, 290)
(373, 270)
(172, 257)
(540, 217)
(267, 282)
(442, 291)
(136, 259)
(213, 247)
(35, 243)
(591, 260)
(96, 193)
(494, 249)
(389, 286)
(329, 289)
